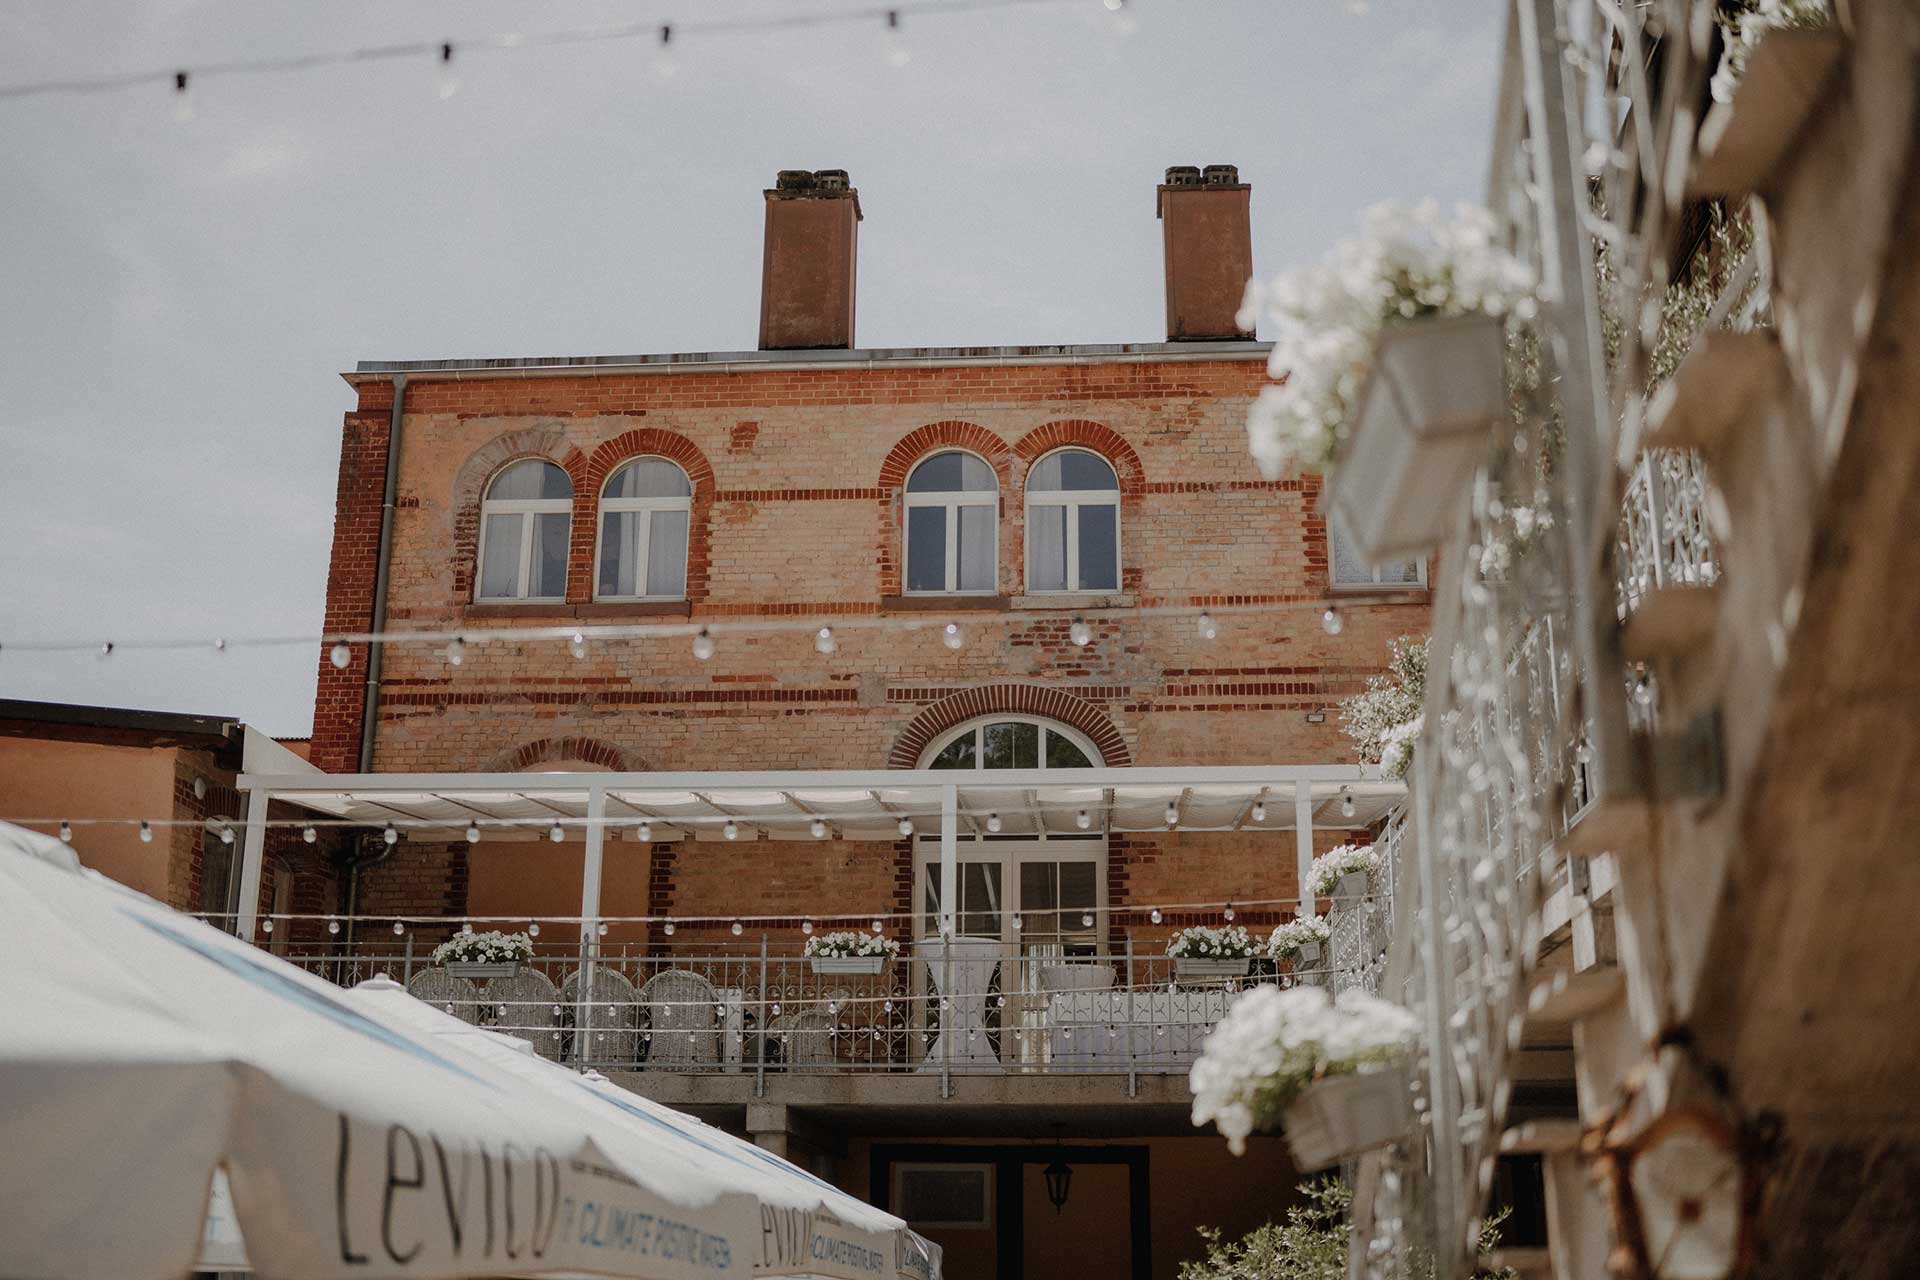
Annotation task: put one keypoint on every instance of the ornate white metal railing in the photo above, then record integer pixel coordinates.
(1664, 539)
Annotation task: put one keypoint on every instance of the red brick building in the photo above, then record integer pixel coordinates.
(1016, 493)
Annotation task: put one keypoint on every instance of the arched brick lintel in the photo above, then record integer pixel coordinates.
(1018, 699)
(546, 750)
(921, 441)
(639, 443)
(469, 484)
(1095, 437)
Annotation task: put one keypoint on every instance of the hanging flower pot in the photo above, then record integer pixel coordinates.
(1353, 886)
(850, 952)
(484, 955)
(1434, 389)
(849, 964)
(1340, 1116)
(1203, 951)
(1202, 967)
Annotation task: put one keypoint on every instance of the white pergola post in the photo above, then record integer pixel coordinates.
(949, 859)
(1303, 842)
(591, 864)
(253, 856)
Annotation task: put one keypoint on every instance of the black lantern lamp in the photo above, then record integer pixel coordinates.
(1059, 1175)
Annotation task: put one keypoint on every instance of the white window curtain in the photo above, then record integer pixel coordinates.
(524, 522)
(951, 535)
(1073, 523)
(644, 515)
(1349, 570)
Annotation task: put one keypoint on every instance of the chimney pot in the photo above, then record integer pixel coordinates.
(1207, 235)
(807, 273)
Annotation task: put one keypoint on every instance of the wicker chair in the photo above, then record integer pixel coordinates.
(682, 1025)
(613, 1023)
(527, 1005)
(443, 991)
(805, 1038)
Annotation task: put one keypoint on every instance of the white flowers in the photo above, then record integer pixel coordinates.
(1389, 702)
(1345, 860)
(1408, 263)
(849, 942)
(1273, 1044)
(1204, 942)
(492, 947)
(1396, 748)
(1288, 938)
(1511, 535)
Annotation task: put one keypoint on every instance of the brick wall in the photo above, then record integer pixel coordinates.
(797, 479)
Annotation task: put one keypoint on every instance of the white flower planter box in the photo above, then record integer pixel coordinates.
(1353, 888)
(849, 964)
(1309, 953)
(1206, 967)
(473, 969)
(1341, 1116)
(1424, 426)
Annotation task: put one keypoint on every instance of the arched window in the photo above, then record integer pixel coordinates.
(644, 512)
(952, 510)
(523, 533)
(1073, 523)
(1011, 742)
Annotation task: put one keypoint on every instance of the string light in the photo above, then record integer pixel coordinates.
(667, 928)
(952, 636)
(182, 96)
(66, 832)
(1206, 626)
(806, 926)
(665, 65)
(1080, 633)
(106, 648)
(199, 787)
(340, 656)
(731, 831)
(555, 833)
(1346, 804)
(1083, 819)
(220, 644)
(823, 640)
(146, 833)
(473, 833)
(818, 828)
(993, 822)
(878, 927)
(398, 928)
(533, 928)
(1154, 915)
(391, 836)
(897, 53)
(1228, 913)
(1259, 811)
(1173, 813)
(645, 832)
(736, 929)
(703, 645)
(1086, 919)
(307, 834)
(226, 834)
(906, 826)
(1016, 924)
(446, 82)
(1332, 621)
(578, 645)
(456, 651)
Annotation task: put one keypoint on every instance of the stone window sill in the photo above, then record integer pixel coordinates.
(595, 610)
(1058, 601)
(942, 604)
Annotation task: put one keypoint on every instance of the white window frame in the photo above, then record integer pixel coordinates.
(531, 508)
(645, 534)
(978, 726)
(1073, 500)
(1372, 584)
(952, 502)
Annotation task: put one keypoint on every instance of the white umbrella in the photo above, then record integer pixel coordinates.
(144, 1050)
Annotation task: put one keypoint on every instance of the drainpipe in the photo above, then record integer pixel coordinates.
(370, 702)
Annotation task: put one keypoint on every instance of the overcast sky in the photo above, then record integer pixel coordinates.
(180, 297)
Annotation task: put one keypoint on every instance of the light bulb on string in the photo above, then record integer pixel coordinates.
(1206, 626)
(340, 655)
(1331, 620)
(731, 831)
(66, 832)
(906, 826)
(1086, 919)
(555, 833)
(473, 833)
(333, 926)
(308, 835)
(106, 648)
(226, 834)
(220, 644)
(993, 822)
(878, 927)
(1346, 804)
(533, 928)
(737, 928)
(1154, 915)
(146, 833)
(894, 44)
(668, 928)
(390, 835)
(446, 81)
(1173, 814)
(1229, 912)
(601, 928)
(818, 828)
(952, 636)
(199, 788)
(806, 926)
(577, 646)
(1080, 633)
(645, 833)
(1016, 924)
(182, 96)
(1259, 811)
(665, 64)
(1083, 819)
(703, 645)
(399, 928)
(823, 640)
(456, 651)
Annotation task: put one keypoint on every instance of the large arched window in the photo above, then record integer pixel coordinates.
(1011, 742)
(952, 509)
(1073, 523)
(644, 512)
(524, 520)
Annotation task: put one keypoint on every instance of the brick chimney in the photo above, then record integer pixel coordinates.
(1209, 250)
(807, 271)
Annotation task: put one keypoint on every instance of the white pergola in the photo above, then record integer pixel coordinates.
(851, 804)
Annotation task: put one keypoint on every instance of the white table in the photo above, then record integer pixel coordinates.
(960, 970)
